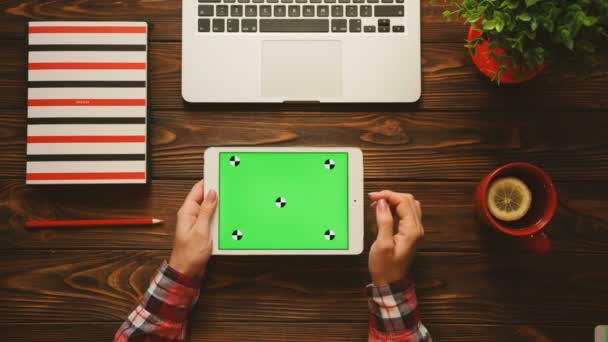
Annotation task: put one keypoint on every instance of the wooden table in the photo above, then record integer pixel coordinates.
(79, 284)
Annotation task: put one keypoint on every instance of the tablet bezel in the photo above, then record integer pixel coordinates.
(355, 198)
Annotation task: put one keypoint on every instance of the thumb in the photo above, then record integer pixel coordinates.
(207, 210)
(384, 218)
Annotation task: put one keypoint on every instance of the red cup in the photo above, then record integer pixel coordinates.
(529, 229)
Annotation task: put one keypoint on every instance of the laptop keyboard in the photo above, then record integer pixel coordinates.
(313, 16)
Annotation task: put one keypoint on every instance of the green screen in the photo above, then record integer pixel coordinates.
(283, 201)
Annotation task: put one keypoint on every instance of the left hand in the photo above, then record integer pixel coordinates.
(192, 245)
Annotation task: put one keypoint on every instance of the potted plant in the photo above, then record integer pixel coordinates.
(511, 41)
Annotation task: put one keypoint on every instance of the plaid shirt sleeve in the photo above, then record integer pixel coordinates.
(394, 314)
(162, 314)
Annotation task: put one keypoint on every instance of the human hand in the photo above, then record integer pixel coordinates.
(192, 244)
(391, 255)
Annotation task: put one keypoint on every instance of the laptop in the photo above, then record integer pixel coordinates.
(276, 51)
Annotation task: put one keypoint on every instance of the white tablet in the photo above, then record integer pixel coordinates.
(286, 200)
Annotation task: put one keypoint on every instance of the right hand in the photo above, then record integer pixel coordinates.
(391, 255)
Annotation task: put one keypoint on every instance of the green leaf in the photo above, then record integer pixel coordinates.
(531, 2)
(567, 38)
(524, 17)
(447, 14)
(590, 21)
(488, 25)
(510, 4)
(499, 24)
(534, 25)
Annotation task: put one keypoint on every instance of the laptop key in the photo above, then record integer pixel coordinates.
(366, 10)
(251, 11)
(221, 10)
(330, 1)
(218, 25)
(354, 25)
(279, 11)
(229, 1)
(322, 11)
(232, 25)
(384, 29)
(384, 22)
(236, 10)
(337, 11)
(308, 11)
(358, 1)
(398, 28)
(294, 25)
(369, 28)
(372, 1)
(249, 25)
(208, 1)
(265, 11)
(205, 10)
(351, 10)
(243, 1)
(387, 1)
(389, 11)
(272, 1)
(293, 11)
(338, 25)
(258, 1)
(204, 25)
(301, 1)
(344, 1)
(286, 1)
(315, 1)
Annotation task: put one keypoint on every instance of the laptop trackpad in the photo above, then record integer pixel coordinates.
(301, 70)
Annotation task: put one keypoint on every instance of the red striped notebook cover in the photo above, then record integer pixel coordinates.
(87, 102)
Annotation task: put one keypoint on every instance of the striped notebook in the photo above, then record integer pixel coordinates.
(87, 102)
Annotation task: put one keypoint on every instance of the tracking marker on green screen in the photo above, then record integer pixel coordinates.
(283, 201)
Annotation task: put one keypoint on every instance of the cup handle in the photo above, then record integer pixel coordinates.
(538, 244)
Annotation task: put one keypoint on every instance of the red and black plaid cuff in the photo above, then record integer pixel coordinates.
(393, 307)
(179, 277)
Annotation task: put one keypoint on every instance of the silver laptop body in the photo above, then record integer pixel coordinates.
(301, 50)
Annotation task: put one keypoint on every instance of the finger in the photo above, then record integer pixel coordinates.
(393, 198)
(412, 221)
(420, 225)
(384, 219)
(188, 212)
(203, 223)
(196, 193)
(399, 200)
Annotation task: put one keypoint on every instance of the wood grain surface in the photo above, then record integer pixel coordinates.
(472, 284)
(298, 332)
(491, 288)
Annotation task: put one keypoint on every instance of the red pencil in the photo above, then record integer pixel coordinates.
(81, 223)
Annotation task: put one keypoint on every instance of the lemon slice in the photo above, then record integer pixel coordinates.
(509, 199)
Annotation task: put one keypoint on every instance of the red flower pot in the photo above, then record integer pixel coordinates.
(488, 66)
